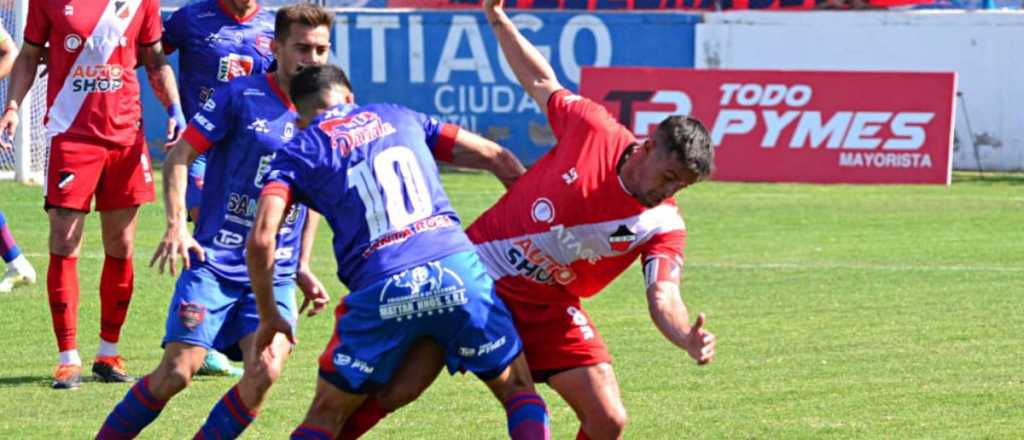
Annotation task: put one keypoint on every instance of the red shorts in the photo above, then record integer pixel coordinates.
(556, 337)
(119, 176)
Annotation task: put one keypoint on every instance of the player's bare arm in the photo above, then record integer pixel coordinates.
(259, 257)
(531, 69)
(177, 240)
(312, 289)
(8, 52)
(23, 74)
(161, 79)
(475, 151)
(671, 317)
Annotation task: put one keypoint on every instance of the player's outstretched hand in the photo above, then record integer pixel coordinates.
(313, 291)
(263, 341)
(176, 242)
(700, 344)
(8, 125)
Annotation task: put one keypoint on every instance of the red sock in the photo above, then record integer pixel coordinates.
(62, 289)
(368, 415)
(116, 284)
(582, 435)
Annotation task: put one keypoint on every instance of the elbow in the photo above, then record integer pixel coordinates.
(257, 246)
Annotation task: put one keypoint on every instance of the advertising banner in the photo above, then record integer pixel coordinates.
(797, 126)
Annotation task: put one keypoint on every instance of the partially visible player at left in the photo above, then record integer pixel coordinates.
(97, 149)
(217, 41)
(19, 270)
(241, 129)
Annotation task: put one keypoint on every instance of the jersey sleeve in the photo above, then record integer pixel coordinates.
(175, 30)
(152, 27)
(568, 112)
(440, 136)
(213, 120)
(37, 25)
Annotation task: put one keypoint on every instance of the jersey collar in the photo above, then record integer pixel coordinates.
(240, 20)
(280, 93)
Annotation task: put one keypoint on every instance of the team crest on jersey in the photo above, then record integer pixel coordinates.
(233, 66)
(263, 44)
(72, 43)
(191, 314)
(260, 126)
(289, 132)
(121, 9)
(350, 132)
(542, 211)
(622, 239)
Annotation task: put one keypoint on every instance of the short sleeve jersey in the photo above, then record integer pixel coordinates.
(92, 91)
(216, 47)
(240, 129)
(568, 227)
(369, 171)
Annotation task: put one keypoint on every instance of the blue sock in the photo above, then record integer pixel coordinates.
(8, 247)
(308, 432)
(527, 417)
(137, 410)
(228, 418)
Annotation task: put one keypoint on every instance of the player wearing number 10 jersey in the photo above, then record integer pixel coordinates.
(400, 250)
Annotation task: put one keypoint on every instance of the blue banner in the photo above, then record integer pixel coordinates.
(447, 64)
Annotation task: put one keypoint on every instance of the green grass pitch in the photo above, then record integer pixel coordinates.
(841, 312)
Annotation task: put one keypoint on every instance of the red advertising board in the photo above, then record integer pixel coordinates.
(797, 126)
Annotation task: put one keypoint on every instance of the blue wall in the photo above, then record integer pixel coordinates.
(447, 64)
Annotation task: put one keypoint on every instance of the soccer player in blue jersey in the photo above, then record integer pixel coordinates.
(241, 127)
(400, 250)
(217, 41)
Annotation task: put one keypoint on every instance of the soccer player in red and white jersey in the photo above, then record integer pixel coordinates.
(575, 221)
(96, 149)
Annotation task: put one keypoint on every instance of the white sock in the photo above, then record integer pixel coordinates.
(70, 357)
(107, 348)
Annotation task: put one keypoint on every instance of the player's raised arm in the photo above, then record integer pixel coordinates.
(669, 312)
(474, 151)
(531, 69)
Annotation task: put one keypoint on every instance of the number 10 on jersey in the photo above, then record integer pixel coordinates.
(394, 192)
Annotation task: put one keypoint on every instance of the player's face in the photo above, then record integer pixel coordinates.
(312, 107)
(305, 46)
(659, 175)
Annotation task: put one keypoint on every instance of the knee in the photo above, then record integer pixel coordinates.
(607, 424)
(119, 245)
(167, 381)
(392, 398)
(64, 244)
(261, 379)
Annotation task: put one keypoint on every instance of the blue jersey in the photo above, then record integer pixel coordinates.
(370, 171)
(216, 47)
(240, 129)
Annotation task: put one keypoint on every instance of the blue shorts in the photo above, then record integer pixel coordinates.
(210, 312)
(194, 189)
(451, 300)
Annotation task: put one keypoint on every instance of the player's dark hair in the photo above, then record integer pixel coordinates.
(303, 13)
(312, 80)
(688, 140)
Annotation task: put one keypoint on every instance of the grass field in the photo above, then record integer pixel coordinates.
(841, 312)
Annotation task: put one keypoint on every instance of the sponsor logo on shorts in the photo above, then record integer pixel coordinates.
(488, 347)
(97, 78)
(191, 314)
(531, 262)
(542, 211)
(580, 320)
(621, 239)
(345, 361)
(422, 291)
(233, 66)
(65, 179)
(144, 163)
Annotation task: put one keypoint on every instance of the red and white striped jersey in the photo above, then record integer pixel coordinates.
(568, 227)
(92, 90)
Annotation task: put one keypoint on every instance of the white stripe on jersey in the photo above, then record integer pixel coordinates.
(67, 103)
(566, 245)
